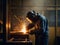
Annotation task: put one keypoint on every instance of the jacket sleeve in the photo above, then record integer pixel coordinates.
(40, 29)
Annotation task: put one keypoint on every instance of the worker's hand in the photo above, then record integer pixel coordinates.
(28, 32)
(31, 32)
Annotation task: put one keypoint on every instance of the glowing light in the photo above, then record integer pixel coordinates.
(1, 22)
(8, 25)
(29, 20)
(23, 29)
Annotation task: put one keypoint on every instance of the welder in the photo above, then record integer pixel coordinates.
(38, 26)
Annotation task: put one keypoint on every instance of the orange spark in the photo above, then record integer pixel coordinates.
(23, 29)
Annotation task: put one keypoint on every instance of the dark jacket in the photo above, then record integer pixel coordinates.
(41, 33)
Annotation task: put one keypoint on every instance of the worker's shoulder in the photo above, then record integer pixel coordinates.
(42, 17)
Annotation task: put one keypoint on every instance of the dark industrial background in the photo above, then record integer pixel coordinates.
(19, 8)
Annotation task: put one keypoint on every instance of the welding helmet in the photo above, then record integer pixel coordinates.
(31, 15)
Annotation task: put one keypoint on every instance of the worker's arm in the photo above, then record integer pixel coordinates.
(39, 28)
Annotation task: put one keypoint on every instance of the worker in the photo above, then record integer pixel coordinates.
(38, 26)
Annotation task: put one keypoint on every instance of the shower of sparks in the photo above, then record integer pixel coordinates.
(17, 18)
(23, 29)
(22, 25)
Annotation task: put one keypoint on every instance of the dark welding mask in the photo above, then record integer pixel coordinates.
(31, 16)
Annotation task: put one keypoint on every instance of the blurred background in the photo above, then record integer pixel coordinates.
(1, 20)
(16, 11)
